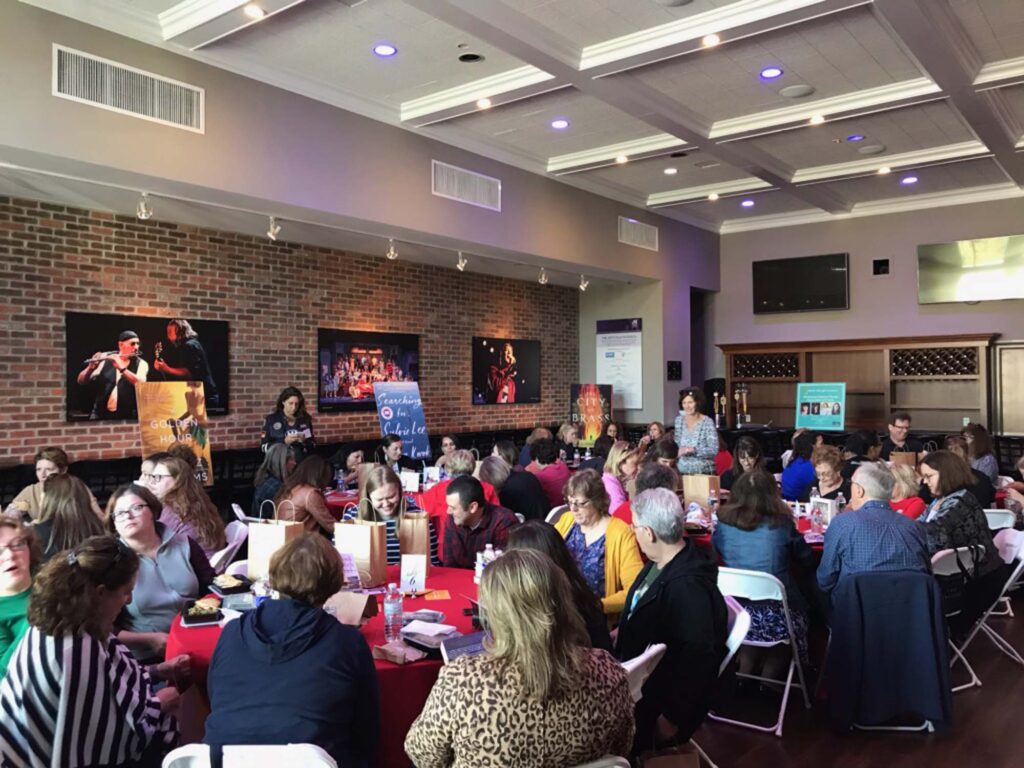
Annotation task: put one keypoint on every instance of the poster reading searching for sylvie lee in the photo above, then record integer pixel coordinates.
(175, 412)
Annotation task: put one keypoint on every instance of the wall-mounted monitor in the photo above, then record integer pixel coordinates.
(505, 371)
(349, 363)
(988, 269)
(803, 284)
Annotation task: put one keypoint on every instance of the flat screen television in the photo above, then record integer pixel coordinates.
(987, 269)
(350, 362)
(505, 371)
(803, 284)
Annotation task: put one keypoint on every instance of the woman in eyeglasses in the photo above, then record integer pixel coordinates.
(172, 570)
(186, 509)
(20, 555)
(603, 546)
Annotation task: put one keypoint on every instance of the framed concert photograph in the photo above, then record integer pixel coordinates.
(108, 354)
(505, 371)
(349, 363)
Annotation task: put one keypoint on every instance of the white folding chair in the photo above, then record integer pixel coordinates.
(238, 568)
(555, 513)
(608, 761)
(276, 756)
(242, 517)
(520, 517)
(1000, 518)
(953, 562)
(235, 533)
(1007, 544)
(188, 756)
(755, 585)
(641, 667)
(1010, 545)
(1003, 480)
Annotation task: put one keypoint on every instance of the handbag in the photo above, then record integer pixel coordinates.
(266, 536)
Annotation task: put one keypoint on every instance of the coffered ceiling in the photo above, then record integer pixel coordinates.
(656, 114)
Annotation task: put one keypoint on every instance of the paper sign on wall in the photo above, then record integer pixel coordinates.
(620, 361)
(821, 405)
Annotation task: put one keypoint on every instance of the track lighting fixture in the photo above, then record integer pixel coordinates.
(542, 278)
(583, 283)
(391, 254)
(144, 210)
(273, 229)
(461, 263)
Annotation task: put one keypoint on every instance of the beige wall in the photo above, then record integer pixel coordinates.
(879, 307)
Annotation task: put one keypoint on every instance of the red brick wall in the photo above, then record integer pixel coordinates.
(55, 259)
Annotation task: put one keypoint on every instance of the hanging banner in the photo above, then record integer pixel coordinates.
(821, 406)
(620, 362)
(175, 412)
(400, 411)
(590, 409)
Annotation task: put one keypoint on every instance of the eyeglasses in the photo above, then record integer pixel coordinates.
(16, 545)
(153, 477)
(133, 511)
(574, 504)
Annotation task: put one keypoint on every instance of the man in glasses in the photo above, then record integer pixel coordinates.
(899, 440)
(114, 375)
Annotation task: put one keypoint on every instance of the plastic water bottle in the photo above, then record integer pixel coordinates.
(576, 457)
(817, 526)
(588, 455)
(392, 613)
(713, 506)
(339, 479)
(489, 554)
(840, 502)
(815, 493)
(478, 571)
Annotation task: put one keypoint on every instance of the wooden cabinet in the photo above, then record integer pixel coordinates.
(939, 380)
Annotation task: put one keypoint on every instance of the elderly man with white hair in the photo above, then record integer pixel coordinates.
(872, 536)
(675, 601)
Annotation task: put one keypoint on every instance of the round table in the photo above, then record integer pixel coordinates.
(403, 689)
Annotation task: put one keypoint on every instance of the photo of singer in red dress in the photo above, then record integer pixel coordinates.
(505, 371)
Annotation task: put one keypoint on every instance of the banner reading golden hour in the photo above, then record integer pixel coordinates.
(175, 412)
(590, 410)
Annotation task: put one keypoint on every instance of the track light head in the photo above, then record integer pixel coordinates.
(391, 254)
(583, 283)
(542, 278)
(461, 263)
(144, 210)
(273, 229)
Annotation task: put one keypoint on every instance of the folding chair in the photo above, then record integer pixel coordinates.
(555, 513)
(1006, 543)
(640, 668)
(188, 756)
(1010, 545)
(1000, 518)
(277, 756)
(608, 761)
(238, 568)
(235, 533)
(953, 562)
(755, 585)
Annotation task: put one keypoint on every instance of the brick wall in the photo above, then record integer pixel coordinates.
(55, 259)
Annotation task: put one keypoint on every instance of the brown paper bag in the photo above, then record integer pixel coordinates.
(266, 537)
(414, 535)
(367, 542)
(698, 487)
(351, 607)
(903, 457)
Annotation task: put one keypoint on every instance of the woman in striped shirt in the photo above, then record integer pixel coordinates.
(74, 696)
(383, 502)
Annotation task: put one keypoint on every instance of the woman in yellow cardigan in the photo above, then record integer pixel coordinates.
(604, 547)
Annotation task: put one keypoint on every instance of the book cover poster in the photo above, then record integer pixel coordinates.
(175, 412)
(590, 410)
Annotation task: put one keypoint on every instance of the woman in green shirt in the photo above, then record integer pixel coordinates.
(20, 554)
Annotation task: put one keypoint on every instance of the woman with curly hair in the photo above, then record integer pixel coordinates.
(186, 507)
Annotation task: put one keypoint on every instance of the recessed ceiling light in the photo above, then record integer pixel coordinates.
(709, 41)
(771, 73)
(908, 180)
(253, 11)
(385, 50)
(885, 169)
(798, 91)
(713, 196)
(747, 203)
(621, 159)
(855, 137)
(483, 103)
(871, 149)
(670, 171)
(559, 123)
(817, 119)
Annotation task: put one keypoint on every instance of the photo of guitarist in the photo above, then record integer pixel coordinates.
(184, 359)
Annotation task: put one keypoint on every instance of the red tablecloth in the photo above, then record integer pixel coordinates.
(339, 501)
(403, 689)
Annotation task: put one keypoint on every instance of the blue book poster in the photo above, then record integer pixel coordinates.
(400, 411)
(821, 406)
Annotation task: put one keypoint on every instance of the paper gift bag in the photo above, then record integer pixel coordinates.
(268, 536)
(698, 487)
(903, 457)
(367, 542)
(414, 535)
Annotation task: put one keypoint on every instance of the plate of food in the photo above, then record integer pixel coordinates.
(225, 584)
(205, 610)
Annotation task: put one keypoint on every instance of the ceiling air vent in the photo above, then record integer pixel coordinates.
(632, 232)
(106, 84)
(465, 186)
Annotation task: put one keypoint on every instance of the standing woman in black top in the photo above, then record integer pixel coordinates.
(290, 424)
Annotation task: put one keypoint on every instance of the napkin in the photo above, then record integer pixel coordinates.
(428, 628)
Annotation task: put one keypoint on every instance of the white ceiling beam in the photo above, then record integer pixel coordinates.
(914, 159)
(932, 34)
(636, 149)
(694, 194)
(999, 74)
(198, 23)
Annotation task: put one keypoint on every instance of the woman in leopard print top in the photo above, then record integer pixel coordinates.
(539, 697)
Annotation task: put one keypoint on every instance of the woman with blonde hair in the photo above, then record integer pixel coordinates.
(905, 491)
(566, 441)
(66, 517)
(603, 546)
(186, 507)
(619, 468)
(382, 501)
(538, 696)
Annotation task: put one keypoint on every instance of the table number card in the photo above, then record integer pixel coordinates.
(414, 574)
(410, 481)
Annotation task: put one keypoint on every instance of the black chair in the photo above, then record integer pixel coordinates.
(104, 476)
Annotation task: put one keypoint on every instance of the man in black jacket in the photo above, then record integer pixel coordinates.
(675, 600)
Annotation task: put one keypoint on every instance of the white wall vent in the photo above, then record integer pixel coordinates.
(106, 84)
(465, 186)
(632, 232)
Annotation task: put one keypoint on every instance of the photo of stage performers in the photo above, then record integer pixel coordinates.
(505, 371)
(101, 379)
(351, 362)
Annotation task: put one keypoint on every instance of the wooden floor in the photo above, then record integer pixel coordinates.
(988, 725)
